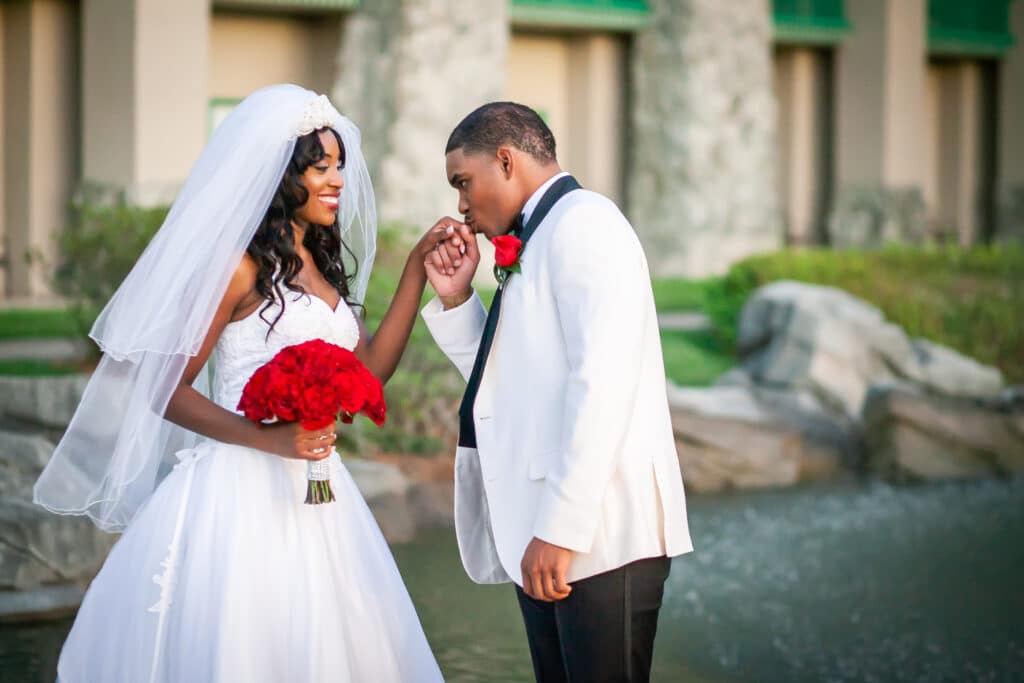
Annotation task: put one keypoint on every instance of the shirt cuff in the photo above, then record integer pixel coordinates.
(455, 327)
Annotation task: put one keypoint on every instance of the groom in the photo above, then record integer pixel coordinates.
(567, 479)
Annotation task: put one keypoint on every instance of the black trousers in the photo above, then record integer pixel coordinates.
(604, 631)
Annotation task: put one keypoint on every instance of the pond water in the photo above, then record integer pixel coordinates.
(856, 582)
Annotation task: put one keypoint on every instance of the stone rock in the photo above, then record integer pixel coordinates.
(38, 548)
(376, 479)
(827, 342)
(47, 402)
(1010, 212)
(407, 494)
(702, 191)
(432, 491)
(871, 218)
(913, 435)
(801, 409)
(827, 381)
(41, 602)
(433, 504)
(943, 370)
(424, 505)
(22, 457)
(736, 436)
(385, 490)
(394, 517)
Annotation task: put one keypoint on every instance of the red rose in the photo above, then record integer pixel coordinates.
(312, 383)
(506, 250)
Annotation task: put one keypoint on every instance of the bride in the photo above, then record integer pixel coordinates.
(222, 573)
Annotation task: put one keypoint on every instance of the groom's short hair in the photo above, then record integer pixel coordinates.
(504, 123)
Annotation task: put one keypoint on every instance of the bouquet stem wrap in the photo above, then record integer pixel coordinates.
(318, 490)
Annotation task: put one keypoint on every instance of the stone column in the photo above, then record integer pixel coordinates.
(802, 85)
(40, 160)
(1010, 137)
(409, 71)
(701, 181)
(881, 94)
(959, 151)
(4, 270)
(597, 112)
(144, 94)
(881, 139)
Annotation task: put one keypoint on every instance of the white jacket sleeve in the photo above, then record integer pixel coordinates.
(457, 331)
(602, 292)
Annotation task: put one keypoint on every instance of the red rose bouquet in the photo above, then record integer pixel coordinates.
(313, 383)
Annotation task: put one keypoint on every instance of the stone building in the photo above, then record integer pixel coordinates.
(723, 127)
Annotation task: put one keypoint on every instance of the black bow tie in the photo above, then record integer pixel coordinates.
(517, 226)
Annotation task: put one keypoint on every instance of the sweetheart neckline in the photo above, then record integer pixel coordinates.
(334, 311)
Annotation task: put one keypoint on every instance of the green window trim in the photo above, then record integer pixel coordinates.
(288, 5)
(970, 29)
(968, 43)
(601, 15)
(213, 105)
(809, 22)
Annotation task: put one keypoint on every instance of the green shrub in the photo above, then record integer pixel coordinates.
(969, 299)
(98, 249)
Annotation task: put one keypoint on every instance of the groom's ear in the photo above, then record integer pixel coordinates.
(506, 160)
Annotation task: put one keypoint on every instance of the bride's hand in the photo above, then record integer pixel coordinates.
(451, 261)
(290, 440)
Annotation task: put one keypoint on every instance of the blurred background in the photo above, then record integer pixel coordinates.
(831, 197)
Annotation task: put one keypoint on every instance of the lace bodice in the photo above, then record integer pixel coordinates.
(244, 345)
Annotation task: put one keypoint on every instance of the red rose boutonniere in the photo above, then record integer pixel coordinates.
(507, 249)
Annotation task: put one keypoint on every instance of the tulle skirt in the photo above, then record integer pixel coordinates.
(225, 575)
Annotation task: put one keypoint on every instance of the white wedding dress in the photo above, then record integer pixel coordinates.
(226, 576)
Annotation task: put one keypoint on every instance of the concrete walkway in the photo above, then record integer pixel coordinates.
(54, 350)
(33, 303)
(684, 321)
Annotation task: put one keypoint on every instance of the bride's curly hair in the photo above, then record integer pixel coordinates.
(273, 245)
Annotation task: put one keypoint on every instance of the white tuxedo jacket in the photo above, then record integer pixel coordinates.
(575, 444)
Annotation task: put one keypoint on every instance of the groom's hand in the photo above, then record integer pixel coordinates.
(544, 568)
(452, 262)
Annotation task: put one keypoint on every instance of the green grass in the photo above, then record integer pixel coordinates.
(31, 323)
(694, 358)
(678, 294)
(34, 368)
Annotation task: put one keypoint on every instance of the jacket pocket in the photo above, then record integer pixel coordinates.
(540, 463)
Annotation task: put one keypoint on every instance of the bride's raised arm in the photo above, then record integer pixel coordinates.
(442, 248)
